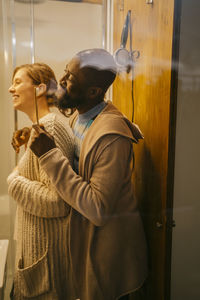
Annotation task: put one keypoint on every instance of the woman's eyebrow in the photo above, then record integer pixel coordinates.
(16, 79)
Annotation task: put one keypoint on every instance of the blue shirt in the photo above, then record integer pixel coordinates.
(80, 129)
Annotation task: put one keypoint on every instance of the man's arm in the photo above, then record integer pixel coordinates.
(96, 199)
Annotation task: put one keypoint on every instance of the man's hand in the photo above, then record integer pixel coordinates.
(41, 141)
(20, 137)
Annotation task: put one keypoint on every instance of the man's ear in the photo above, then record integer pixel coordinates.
(41, 89)
(94, 92)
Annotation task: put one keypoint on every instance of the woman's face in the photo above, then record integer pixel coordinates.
(22, 90)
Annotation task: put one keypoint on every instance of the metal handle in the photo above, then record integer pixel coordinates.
(159, 224)
(173, 223)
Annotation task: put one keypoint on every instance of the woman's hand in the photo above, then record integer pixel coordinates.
(20, 137)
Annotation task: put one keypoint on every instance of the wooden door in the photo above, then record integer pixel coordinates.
(155, 32)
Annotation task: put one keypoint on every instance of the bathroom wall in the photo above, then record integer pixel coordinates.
(152, 30)
(185, 270)
(7, 157)
(58, 30)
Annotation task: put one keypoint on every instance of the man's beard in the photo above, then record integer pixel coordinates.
(64, 100)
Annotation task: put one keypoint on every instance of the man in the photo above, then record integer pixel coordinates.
(106, 239)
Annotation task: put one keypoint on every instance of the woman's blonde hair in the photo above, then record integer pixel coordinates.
(40, 73)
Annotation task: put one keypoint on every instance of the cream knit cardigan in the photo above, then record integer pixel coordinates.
(42, 268)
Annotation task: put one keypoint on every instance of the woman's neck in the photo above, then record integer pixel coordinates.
(43, 110)
(41, 114)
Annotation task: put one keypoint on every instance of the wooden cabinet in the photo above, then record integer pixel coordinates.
(155, 33)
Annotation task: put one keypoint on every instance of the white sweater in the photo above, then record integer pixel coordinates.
(42, 253)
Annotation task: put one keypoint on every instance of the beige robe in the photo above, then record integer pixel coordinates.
(107, 243)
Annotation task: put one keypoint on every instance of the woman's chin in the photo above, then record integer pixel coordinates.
(17, 107)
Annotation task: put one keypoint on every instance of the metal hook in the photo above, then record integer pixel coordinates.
(135, 54)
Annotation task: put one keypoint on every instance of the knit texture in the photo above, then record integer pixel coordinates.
(42, 268)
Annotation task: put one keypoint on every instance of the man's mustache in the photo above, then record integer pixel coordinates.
(61, 91)
(57, 94)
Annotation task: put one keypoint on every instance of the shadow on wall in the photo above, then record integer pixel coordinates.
(148, 193)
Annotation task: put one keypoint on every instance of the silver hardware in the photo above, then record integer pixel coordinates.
(173, 223)
(159, 225)
(149, 1)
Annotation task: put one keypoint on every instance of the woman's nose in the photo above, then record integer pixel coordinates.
(11, 89)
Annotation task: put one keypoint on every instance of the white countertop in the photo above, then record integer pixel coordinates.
(3, 258)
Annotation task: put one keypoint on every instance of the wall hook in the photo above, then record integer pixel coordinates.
(121, 5)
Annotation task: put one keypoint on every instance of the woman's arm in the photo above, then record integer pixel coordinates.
(35, 197)
(38, 196)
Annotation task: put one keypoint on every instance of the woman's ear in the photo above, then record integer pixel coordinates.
(94, 92)
(41, 89)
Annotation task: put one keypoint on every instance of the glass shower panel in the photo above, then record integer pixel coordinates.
(15, 27)
(63, 28)
(37, 31)
(21, 15)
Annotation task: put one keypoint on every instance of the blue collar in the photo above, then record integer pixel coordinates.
(90, 114)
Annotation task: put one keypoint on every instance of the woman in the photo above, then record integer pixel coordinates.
(42, 268)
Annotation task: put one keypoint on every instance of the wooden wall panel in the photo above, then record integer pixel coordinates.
(152, 35)
(93, 1)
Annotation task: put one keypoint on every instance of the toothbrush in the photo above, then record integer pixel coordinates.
(36, 90)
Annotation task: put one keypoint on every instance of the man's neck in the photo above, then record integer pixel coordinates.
(87, 107)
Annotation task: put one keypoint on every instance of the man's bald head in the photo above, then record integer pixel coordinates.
(98, 67)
